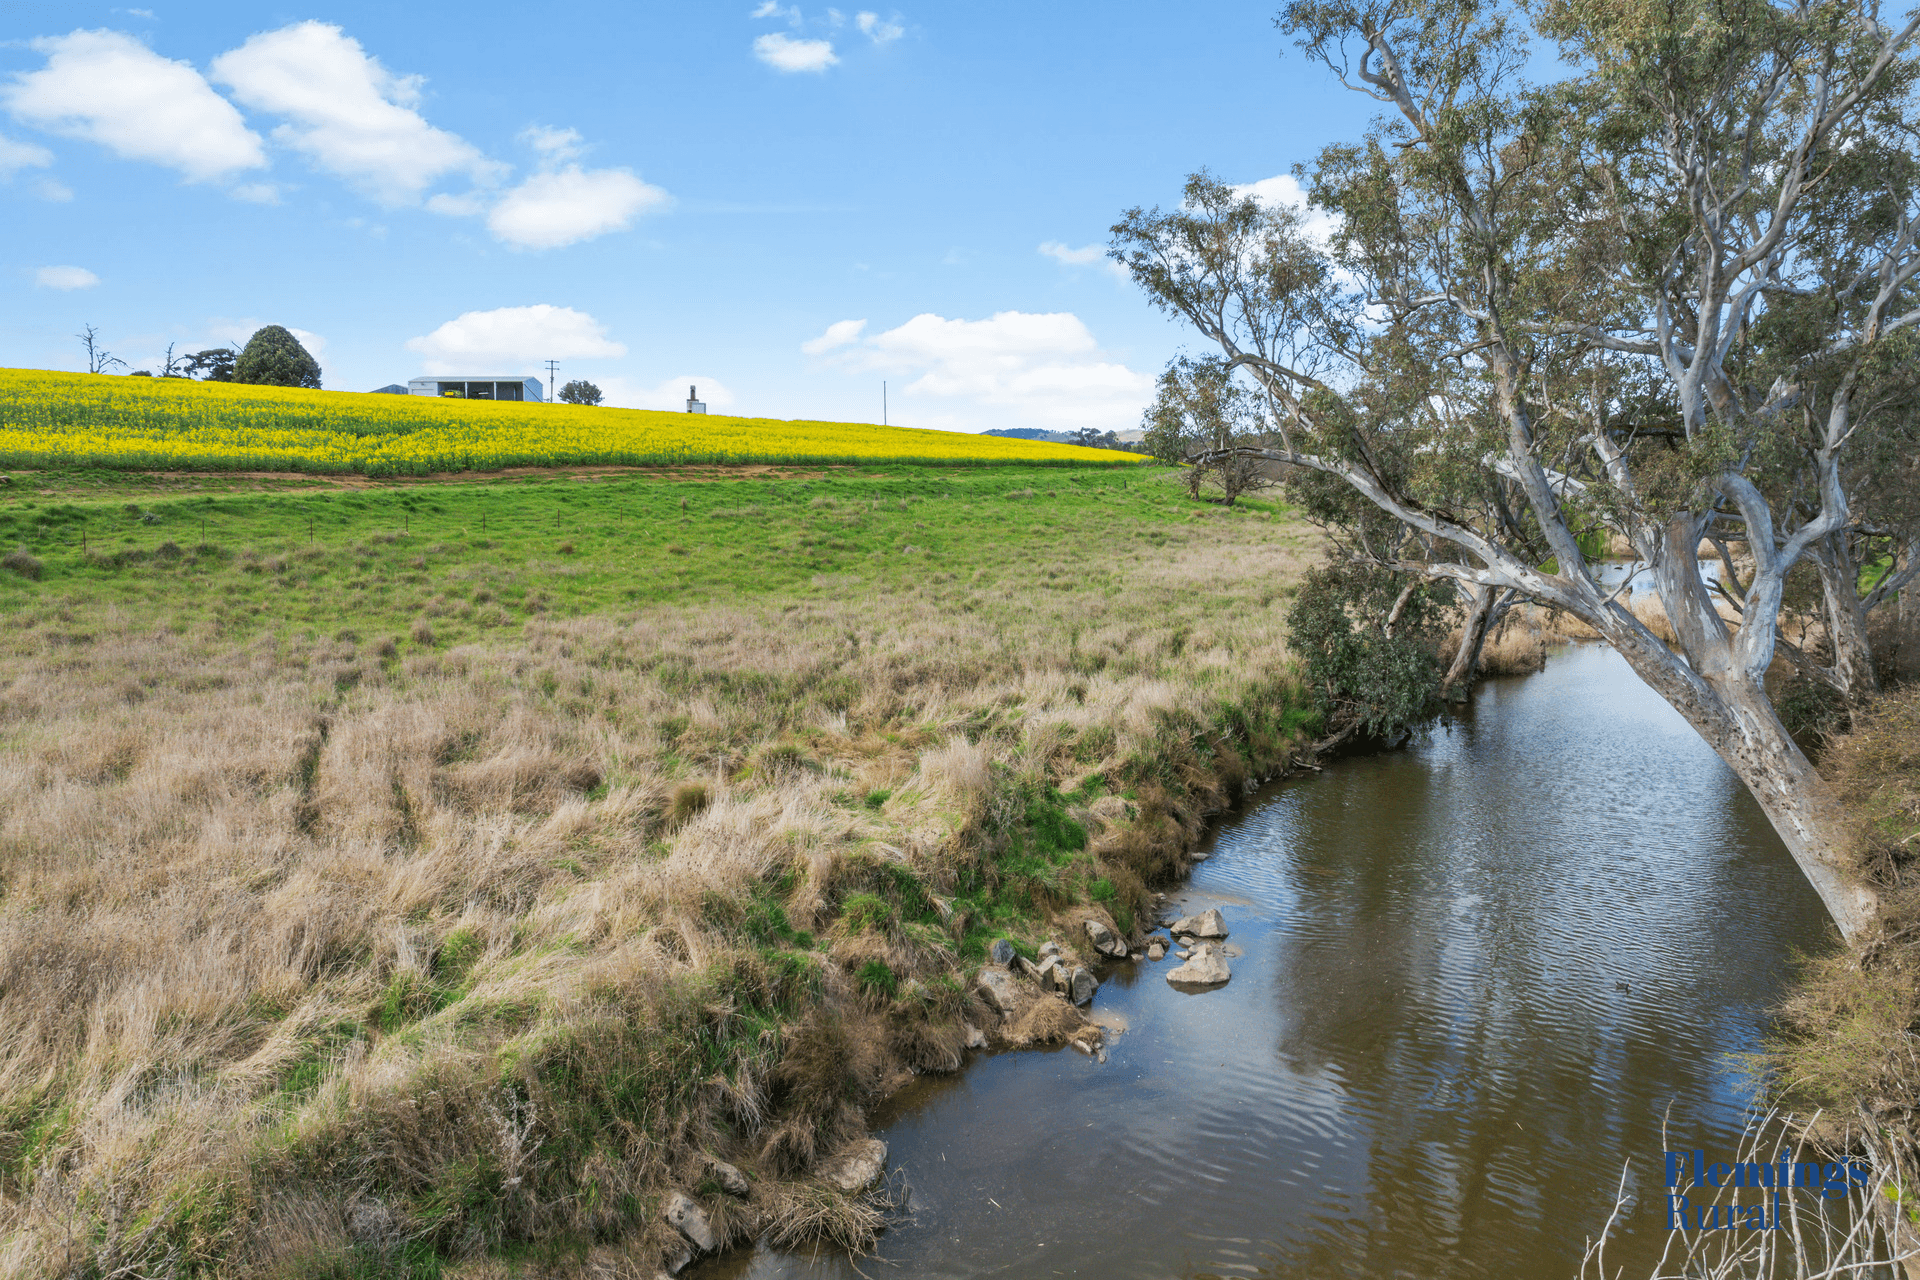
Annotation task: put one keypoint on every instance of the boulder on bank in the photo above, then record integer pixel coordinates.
(1001, 952)
(731, 1180)
(1104, 940)
(1205, 968)
(1208, 924)
(998, 989)
(690, 1220)
(857, 1165)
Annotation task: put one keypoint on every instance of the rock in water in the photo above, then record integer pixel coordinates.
(976, 1038)
(1206, 968)
(1001, 952)
(857, 1165)
(1156, 951)
(690, 1220)
(1208, 924)
(1082, 985)
(1104, 941)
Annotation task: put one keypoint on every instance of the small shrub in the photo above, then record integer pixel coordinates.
(422, 632)
(24, 563)
(877, 798)
(865, 911)
(876, 979)
(688, 799)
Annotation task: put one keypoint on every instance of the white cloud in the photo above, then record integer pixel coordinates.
(467, 205)
(257, 193)
(1085, 256)
(877, 31)
(1012, 369)
(108, 88)
(555, 146)
(514, 335)
(347, 112)
(65, 278)
(569, 205)
(52, 190)
(1284, 191)
(1073, 257)
(773, 9)
(783, 53)
(670, 395)
(15, 156)
(838, 334)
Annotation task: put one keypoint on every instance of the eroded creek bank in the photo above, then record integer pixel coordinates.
(1474, 976)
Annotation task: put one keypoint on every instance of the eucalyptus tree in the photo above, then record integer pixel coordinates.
(1634, 302)
(1200, 411)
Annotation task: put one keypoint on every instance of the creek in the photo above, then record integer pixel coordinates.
(1477, 976)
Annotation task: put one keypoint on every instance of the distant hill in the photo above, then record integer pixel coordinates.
(1029, 433)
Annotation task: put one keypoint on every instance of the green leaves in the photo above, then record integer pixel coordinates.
(274, 357)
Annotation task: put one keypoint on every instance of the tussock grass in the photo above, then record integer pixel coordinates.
(328, 952)
(1843, 1043)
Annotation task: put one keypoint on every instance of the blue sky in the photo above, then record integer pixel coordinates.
(785, 204)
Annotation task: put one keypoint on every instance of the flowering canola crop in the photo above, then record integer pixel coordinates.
(168, 424)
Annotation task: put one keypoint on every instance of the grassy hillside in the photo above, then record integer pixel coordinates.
(233, 558)
(91, 420)
(432, 896)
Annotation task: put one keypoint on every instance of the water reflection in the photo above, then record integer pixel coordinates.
(1477, 974)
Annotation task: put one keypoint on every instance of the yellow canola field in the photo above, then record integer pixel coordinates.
(166, 424)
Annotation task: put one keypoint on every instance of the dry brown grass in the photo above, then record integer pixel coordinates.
(311, 954)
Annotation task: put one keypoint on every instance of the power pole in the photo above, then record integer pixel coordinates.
(883, 402)
(553, 392)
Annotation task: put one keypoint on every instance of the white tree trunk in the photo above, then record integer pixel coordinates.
(1725, 700)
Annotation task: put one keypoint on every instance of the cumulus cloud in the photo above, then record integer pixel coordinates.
(1012, 369)
(514, 335)
(346, 112)
(65, 278)
(1284, 190)
(838, 334)
(783, 53)
(878, 31)
(773, 9)
(15, 156)
(108, 88)
(566, 206)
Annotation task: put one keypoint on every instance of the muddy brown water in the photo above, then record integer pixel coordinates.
(1478, 975)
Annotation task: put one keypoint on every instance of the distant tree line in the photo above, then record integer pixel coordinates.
(273, 357)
